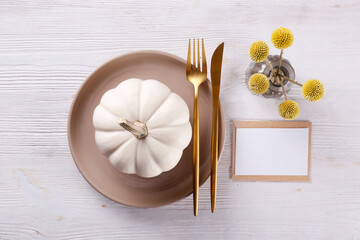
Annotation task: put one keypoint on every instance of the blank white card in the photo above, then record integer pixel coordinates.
(272, 151)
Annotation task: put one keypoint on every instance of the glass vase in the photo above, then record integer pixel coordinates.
(275, 89)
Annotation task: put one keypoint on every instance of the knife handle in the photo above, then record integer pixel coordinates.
(214, 152)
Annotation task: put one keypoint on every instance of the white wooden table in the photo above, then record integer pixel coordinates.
(48, 48)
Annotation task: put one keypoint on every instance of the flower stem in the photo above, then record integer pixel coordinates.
(281, 53)
(283, 89)
(271, 67)
(293, 81)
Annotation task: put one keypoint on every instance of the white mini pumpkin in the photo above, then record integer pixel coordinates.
(142, 127)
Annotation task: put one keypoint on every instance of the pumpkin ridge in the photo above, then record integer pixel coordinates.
(157, 109)
(157, 163)
(110, 152)
(138, 84)
(136, 158)
(105, 130)
(151, 157)
(154, 159)
(101, 111)
(110, 111)
(124, 145)
(139, 101)
(162, 142)
(169, 128)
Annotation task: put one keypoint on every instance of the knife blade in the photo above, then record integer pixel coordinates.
(216, 64)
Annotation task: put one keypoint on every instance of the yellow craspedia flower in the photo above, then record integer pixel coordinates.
(282, 38)
(289, 109)
(313, 90)
(258, 83)
(259, 51)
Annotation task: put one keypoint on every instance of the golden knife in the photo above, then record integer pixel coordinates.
(216, 63)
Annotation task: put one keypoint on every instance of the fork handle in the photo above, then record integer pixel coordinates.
(196, 152)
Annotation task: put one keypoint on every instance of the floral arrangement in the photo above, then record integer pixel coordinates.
(282, 38)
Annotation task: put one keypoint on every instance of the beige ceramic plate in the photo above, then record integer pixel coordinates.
(128, 189)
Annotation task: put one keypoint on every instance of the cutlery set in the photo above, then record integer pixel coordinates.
(196, 73)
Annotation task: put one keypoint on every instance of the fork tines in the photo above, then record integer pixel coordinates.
(195, 65)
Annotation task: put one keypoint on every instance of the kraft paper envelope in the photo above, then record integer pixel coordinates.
(271, 150)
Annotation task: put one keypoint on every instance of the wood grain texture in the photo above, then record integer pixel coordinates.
(48, 48)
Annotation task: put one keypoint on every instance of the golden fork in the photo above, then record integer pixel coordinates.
(196, 77)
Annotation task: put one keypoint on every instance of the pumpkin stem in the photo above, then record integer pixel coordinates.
(137, 128)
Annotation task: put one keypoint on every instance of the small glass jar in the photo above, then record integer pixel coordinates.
(275, 89)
